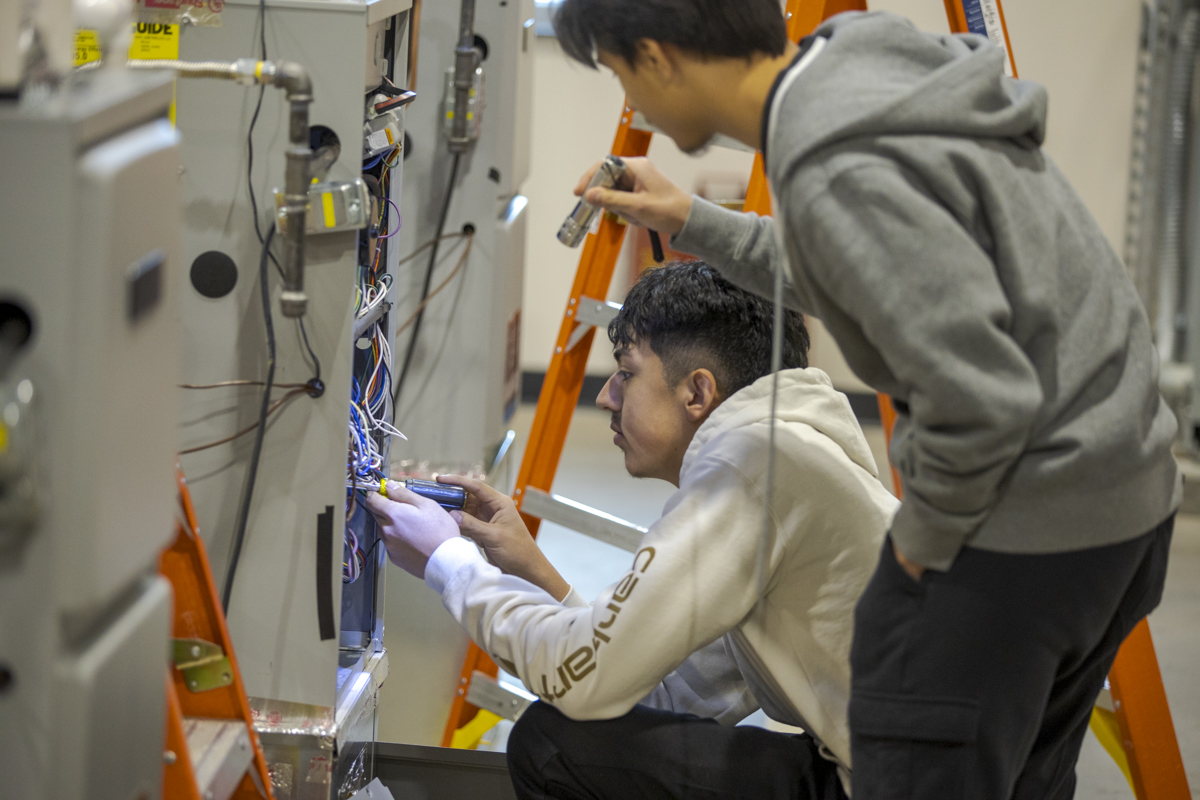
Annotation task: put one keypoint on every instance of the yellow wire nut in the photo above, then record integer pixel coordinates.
(258, 68)
(383, 487)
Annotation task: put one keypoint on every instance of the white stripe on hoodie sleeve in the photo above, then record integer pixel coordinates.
(693, 580)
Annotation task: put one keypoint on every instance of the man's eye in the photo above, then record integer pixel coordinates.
(624, 375)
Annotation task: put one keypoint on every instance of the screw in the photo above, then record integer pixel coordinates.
(570, 311)
(169, 757)
(195, 651)
(558, 349)
(193, 684)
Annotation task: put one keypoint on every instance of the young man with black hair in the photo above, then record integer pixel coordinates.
(720, 613)
(916, 215)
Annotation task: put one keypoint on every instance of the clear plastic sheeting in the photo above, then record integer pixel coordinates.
(204, 13)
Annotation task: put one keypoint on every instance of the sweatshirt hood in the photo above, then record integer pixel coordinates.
(806, 397)
(878, 75)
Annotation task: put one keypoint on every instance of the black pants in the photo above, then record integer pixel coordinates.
(979, 682)
(657, 754)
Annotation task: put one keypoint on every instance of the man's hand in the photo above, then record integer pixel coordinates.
(412, 526)
(654, 202)
(492, 521)
(914, 570)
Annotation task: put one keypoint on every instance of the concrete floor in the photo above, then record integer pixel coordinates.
(592, 472)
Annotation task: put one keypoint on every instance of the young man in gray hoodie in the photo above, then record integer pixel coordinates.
(916, 215)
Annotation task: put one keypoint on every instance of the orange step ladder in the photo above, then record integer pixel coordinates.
(1138, 732)
(211, 746)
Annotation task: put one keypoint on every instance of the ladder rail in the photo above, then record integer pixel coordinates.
(559, 395)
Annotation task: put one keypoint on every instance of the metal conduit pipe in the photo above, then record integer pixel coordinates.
(1170, 270)
(295, 82)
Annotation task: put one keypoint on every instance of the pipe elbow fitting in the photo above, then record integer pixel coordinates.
(294, 80)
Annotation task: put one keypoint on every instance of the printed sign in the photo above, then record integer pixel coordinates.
(983, 18)
(150, 41)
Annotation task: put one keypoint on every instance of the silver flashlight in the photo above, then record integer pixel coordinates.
(576, 226)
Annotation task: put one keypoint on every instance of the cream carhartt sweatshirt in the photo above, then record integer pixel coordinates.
(686, 628)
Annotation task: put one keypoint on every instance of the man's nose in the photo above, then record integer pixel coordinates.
(607, 399)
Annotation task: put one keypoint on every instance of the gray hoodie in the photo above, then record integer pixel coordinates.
(960, 274)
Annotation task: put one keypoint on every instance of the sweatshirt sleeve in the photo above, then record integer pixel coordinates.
(743, 247)
(709, 684)
(690, 582)
(927, 297)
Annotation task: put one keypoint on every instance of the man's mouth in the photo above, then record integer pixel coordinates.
(617, 430)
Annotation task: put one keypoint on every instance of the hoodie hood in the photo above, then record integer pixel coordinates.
(806, 397)
(877, 75)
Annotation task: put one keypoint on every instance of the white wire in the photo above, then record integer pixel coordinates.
(776, 365)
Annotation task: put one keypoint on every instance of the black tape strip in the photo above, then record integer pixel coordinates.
(325, 573)
(656, 248)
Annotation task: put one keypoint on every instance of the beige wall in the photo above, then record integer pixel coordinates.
(1082, 51)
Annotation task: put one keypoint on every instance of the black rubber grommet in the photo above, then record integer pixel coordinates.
(214, 274)
(13, 313)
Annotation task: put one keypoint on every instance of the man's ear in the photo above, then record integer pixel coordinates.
(701, 395)
(660, 60)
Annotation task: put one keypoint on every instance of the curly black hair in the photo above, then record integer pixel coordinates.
(691, 317)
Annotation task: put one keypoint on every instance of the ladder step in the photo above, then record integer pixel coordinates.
(220, 751)
(592, 313)
(584, 519)
(502, 699)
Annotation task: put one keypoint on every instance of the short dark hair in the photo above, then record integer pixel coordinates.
(722, 28)
(691, 317)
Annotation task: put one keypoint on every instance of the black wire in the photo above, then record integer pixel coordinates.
(312, 356)
(412, 342)
(262, 43)
(262, 34)
(250, 162)
(264, 410)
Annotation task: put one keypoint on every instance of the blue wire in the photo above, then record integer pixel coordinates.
(374, 162)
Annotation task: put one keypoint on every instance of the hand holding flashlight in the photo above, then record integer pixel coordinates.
(644, 197)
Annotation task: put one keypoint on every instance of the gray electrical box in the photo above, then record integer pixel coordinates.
(89, 219)
(301, 633)
(464, 382)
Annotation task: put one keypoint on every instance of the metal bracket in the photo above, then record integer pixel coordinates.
(362, 323)
(584, 519)
(203, 664)
(499, 698)
(590, 313)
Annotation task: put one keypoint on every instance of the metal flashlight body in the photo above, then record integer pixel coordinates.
(451, 498)
(577, 224)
